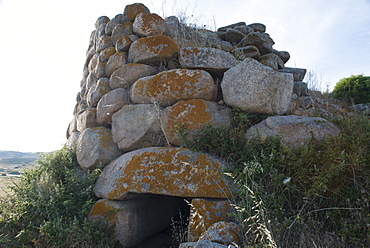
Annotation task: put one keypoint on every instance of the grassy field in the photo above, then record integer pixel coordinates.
(12, 167)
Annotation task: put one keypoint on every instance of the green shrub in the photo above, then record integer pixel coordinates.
(315, 195)
(354, 88)
(49, 207)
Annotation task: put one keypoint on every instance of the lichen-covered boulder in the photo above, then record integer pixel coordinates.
(121, 30)
(293, 130)
(247, 52)
(272, 60)
(94, 147)
(206, 58)
(175, 85)
(153, 50)
(105, 54)
(164, 171)
(137, 126)
(132, 10)
(206, 212)
(112, 23)
(96, 92)
(192, 115)
(123, 44)
(128, 74)
(103, 42)
(255, 88)
(101, 20)
(109, 104)
(114, 62)
(223, 232)
(135, 220)
(260, 40)
(147, 24)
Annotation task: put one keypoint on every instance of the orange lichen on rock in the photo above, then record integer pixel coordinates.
(165, 171)
(132, 10)
(104, 210)
(153, 50)
(171, 86)
(192, 115)
(106, 53)
(147, 24)
(204, 213)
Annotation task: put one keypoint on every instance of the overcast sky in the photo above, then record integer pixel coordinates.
(43, 45)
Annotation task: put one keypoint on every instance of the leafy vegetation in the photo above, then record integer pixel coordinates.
(354, 88)
(49, 207)
(314, 196)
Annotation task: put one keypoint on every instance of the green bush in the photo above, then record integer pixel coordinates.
(49, 207)
(354, 88)
(315, 195)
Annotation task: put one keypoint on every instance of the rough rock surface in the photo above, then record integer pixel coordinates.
(272, 60)
(192, 115)
(165, 171)
(97, 91)
(128, 74)
(204, 244)
(293, 130)
(206, 212)
(255, 88)
(146, 24)
(137, 126)
(121, 30)
(247, 52)
(209, 59)
(109, 104)
(86, 119)
(171, 86)
(132, 10)
(115, 61)
(298, 73)
(152, 50)
(95, 146)
(223, 232)
(136, 219)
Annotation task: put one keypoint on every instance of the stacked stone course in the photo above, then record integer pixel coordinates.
(140, 84)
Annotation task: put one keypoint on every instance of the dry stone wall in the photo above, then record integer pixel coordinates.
(143, 78)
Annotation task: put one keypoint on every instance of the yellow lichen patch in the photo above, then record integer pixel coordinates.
(103, 209)
(103, 87)
(153, 49)
(123, 44)
(225, 232)
(104, 136)
(205, 213)
(106, 53)
(132, 10)
(149, 24)
(168, 171)
(190, 115)
(174, 85)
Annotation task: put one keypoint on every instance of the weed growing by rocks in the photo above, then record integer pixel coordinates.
(316, 195)
(49, 207)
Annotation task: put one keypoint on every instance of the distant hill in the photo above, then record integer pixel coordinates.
(10, 159)
(14, 154)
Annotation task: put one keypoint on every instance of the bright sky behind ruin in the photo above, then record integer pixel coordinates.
(43, 45)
